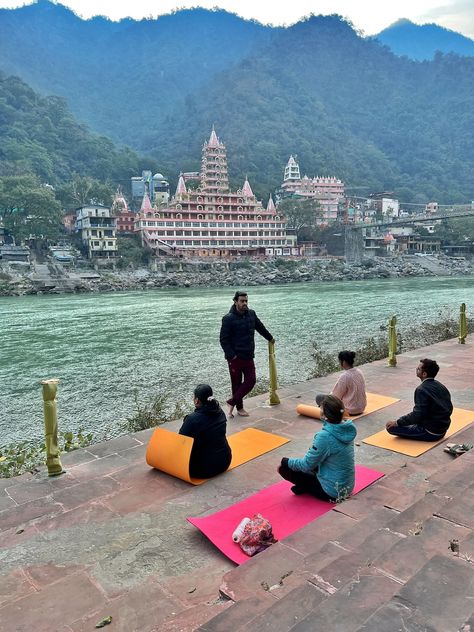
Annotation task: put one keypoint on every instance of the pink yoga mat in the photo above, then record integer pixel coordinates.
(286, 512)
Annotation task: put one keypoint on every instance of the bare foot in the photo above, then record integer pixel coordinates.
(242, 412)
(230, 411)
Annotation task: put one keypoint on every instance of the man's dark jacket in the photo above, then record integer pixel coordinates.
(432, 409)
(237, 336)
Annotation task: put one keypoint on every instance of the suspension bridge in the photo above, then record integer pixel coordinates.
(355, 232)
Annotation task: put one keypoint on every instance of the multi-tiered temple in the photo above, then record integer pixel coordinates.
(328, 191)
(212, 220)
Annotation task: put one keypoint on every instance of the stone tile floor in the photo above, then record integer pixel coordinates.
(110, 536)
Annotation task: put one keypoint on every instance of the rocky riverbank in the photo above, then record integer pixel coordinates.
(53, 278)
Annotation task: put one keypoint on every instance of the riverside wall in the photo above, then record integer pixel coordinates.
(54, 278)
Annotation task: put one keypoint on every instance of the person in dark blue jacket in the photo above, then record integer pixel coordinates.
(327, 470)
(211, 453)
(431, 415)
(237, 338)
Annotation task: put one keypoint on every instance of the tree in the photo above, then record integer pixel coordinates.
(39, 135)
(29, 208)
(132, 252)
(301, 215)
(84, 190)
(332, 237)
(455, 231)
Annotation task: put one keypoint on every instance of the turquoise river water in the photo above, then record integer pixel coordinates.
(103, 346)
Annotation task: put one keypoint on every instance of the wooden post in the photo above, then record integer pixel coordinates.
(274, 399)
(462, 325)
(53, 462)
(392, 342)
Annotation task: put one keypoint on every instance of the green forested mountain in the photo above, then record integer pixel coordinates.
(347, 106)
(39, 135)
(122, 78)
(422, 41)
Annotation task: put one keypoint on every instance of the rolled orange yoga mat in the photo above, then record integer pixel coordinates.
(309, 411)
(170, 452)
(374, 402)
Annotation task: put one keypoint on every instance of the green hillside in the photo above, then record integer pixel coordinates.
(122, 78)
(39, 135)
(422, 41)
(346, 105)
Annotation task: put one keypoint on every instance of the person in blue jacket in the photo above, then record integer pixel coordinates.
(327, 470)
(211, 453)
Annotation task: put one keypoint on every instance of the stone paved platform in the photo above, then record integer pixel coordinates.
(110, 536)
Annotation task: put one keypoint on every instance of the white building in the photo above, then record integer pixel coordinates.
(390, 207)
(328, 191)
(98, 230)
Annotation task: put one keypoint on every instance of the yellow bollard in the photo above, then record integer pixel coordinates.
(274, 399)
(392, 342)
(53, 462)
(462, 325)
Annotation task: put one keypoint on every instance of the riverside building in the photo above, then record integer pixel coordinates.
(212, 220)
(156, 185)
(328, 191)
(124, 217)
(97, 227)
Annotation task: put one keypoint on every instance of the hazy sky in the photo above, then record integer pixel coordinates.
(371, 16)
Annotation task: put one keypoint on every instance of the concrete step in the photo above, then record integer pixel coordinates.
(364, 543)
(362, 595)
(347, 527)
(284, 581)
(438, 597)
(432, 540)
(378, 571)
(377, 582)
(286, 564)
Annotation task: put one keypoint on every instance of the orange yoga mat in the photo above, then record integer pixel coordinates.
(171, 452)
(459, 420)
(374, 402)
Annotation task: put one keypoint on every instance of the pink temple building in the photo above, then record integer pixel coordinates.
(69, 221)
(328, 191)
(212, 220)
(125, 217)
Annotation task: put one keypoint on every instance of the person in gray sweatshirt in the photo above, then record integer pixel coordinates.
(327, 470)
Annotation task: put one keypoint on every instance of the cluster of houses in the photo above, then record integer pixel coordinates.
(205, 218)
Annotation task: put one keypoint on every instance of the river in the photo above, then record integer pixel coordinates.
(104, 346)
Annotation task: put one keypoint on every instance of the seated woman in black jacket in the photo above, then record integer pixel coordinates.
(211, 454)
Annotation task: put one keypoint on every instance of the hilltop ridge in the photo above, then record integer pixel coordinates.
(423, 41)
(345, 104)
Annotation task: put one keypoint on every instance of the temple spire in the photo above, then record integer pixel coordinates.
(214, 176)
(146, 204)
(181, 188)
(271, 205)
(247, 189)
(292, 170)
(119, 204)
(213, 140)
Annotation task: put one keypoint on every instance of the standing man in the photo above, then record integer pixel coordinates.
(431, 416)
(237, 339)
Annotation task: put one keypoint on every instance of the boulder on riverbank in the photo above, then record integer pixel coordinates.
(171, 273)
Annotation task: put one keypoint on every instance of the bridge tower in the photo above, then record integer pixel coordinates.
(353, 244)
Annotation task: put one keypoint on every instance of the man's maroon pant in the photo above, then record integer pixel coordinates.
(243, 378)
